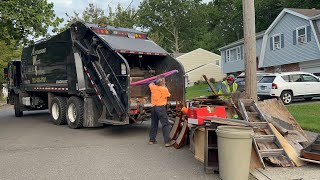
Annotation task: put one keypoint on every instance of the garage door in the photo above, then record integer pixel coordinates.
(311, 67)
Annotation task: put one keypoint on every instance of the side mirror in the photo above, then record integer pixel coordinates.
(5, 72)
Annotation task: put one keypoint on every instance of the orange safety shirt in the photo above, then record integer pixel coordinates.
(159, 95)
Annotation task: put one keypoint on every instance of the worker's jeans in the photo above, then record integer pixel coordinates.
(159, 113)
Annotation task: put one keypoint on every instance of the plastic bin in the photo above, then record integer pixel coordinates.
(234, 151)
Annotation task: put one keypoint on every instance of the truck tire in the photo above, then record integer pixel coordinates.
(75, 112)
(58, 112)
(17, 106)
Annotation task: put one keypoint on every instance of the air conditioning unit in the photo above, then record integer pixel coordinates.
(301, 39)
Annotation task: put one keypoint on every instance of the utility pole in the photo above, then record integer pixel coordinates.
(249, 30)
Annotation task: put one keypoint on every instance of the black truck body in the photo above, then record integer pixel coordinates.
(83, 76)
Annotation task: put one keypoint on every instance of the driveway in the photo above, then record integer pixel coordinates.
(31, 147)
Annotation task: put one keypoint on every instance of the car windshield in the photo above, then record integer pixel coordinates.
(267, 79)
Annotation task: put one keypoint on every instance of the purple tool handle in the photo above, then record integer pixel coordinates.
(152, 79)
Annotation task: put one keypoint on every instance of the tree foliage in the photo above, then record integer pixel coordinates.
(21, 19)
(172, 19)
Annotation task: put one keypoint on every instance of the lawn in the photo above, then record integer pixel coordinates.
(307, 115)
(196, 91)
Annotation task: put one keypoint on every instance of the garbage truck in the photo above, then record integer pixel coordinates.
(83, 74)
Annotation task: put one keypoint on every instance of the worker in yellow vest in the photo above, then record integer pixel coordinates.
(228, 87)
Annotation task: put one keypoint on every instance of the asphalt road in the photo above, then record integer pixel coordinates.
(31, 147)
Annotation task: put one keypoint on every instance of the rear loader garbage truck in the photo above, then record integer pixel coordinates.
(83, 76)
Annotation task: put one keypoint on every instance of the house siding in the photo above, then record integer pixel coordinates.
(290, 53)
(197, 58)
(210, 70)
(236, 66)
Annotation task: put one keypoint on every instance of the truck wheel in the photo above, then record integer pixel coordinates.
(58, 110)
(75, 112)
(17, 107)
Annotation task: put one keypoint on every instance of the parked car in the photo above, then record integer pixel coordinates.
(288, 86)
(241, 80)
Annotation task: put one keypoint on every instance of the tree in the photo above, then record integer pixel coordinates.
(123, 18)
(8, 52)
(171, 18)
(21, 19)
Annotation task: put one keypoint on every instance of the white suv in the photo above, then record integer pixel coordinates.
(289, 85)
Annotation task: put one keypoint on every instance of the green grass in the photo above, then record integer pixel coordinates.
(307, 115)
(197, 90)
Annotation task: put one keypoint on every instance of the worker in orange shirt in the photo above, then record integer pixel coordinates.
(159, 96)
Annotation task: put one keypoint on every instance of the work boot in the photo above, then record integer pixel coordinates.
(152, 142)
(169, 144)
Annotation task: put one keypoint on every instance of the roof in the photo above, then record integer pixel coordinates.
(240, 41)
(133, 44)
(175, 55)
(306, 12)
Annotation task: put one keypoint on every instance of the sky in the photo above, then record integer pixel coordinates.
(61, 7)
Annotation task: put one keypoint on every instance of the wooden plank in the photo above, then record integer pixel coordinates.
(199, 144)
(255, 161)
(293, 155)
(210, 85)
(176, 128)
(182, 135)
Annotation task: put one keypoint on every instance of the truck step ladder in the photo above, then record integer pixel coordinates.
(265, 142)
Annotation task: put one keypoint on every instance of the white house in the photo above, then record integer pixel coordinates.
(200, 62)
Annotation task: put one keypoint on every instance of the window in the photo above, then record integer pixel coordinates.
(301, 35)
(233, 54)
(285, 78)
(238, 53)
(276, 41)
(267, 79)
(218, 62)
(228, 56)
(309, 78)
(295, 78)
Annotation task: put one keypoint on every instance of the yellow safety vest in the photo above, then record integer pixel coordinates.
(234, 89)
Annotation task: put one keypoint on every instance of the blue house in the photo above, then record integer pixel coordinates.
(291, 43)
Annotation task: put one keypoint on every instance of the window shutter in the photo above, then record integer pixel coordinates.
(225, 56)
(308, 33)
(282, 40)
(271, 43)
(241, 52)
(294, 36)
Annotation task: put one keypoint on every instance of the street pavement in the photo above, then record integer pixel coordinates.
(31, 147)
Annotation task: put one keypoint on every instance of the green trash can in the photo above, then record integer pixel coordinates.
(234, 151)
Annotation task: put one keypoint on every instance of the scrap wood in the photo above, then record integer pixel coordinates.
(254, 160)
(293, 155)
(312, 151)
(182, 135)
(210, 85)
(282, 130)
(227, 121)
(277, 109)
(176, 127)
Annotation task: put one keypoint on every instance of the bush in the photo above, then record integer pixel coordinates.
(212, 80)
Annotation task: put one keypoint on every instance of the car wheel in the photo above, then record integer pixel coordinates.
(286, 97)
(58, 110)
(75, 112)
(308, 98)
